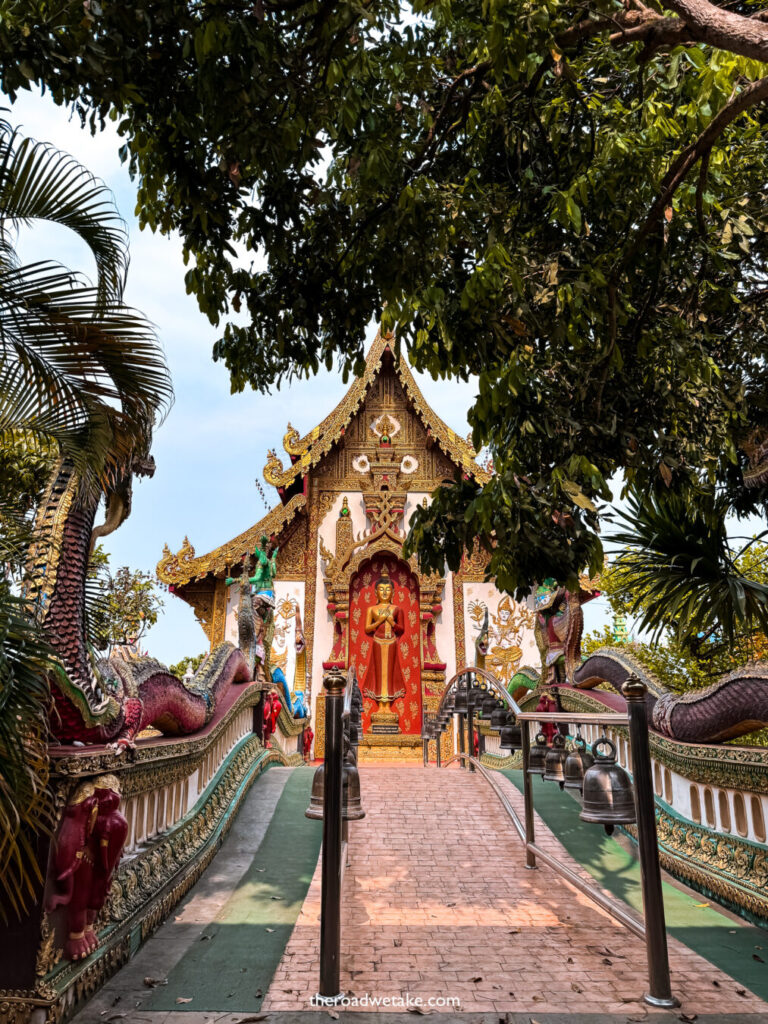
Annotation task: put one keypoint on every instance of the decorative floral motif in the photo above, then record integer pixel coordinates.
(409, 464)
(361, 464)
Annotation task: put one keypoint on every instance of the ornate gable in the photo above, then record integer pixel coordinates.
(387, 385)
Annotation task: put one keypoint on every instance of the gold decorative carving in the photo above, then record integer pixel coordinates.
(292, 555)
(172, 570)
(321, 440)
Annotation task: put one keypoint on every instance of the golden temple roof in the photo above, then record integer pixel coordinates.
(311, 448)
(184, 566)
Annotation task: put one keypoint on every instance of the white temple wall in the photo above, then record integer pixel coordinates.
(412, 502)
(230, 619)
(445, 632)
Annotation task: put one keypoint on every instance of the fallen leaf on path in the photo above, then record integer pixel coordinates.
(261, 869)
(276, 897)
(258, 993)
(514, 931)
(575, 987)
(252, 1019)
(152, 982)
(716, 984)
(478, 978)
(701, 904)
(607, 961)
(689, 1016)
(334, 1014)
(741, 992)
(270, 929)
(758, 958)
(205, 938)
(183, 999)
(397, 942)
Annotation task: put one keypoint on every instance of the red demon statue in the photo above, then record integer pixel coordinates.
(272, 708)
(88, 847)
(307, 741)
(548, 706)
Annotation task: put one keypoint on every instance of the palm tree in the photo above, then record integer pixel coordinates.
(81, 377)
(682, 571)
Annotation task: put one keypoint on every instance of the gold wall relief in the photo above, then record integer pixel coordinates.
(219, 613)
(292, 555)
(201, 597)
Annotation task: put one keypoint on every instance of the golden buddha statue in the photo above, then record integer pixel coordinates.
(385, 624)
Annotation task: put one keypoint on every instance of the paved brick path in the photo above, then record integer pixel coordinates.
(437, 903)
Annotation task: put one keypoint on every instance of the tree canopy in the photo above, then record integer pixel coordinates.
(565, 199)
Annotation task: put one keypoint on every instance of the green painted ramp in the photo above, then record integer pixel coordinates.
(738, 948)
(231, 967)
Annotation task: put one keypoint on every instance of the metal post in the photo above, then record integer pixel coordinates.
(530, 837)
(471, 730)
(660, 994)
(462, 763)
(330, 897)
(438, 740)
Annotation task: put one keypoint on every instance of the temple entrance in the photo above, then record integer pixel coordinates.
(385, 648)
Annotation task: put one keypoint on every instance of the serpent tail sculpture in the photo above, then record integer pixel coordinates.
(735, 705)
(113, 701)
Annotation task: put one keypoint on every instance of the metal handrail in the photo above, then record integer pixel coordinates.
(616, 910)
(489, 677)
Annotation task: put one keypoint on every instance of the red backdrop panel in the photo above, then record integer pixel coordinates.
(406, 595)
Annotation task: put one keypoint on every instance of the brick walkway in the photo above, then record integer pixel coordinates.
(437, 903)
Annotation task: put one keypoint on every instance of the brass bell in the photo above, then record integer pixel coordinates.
(460, 701)
(316, 800)
(351, 806)
(477, 692)
(538, 756)
(499, 716)
(608, 797)
(555, 761)
(577, 762)
(511, 735)
(488, 706)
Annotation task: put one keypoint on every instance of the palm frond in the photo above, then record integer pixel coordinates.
(25, 801)
(680, 568)
(85, 382)
(40, 182)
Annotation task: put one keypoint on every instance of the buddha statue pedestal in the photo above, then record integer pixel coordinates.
(385, 722)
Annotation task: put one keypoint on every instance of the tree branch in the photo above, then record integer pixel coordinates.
(726, 30)
(697, 21)
(754, 93)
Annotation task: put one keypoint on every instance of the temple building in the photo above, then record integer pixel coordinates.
(344, 594)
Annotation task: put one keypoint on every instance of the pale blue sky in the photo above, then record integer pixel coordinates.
(213, 445)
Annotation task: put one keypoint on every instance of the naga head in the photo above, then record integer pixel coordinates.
(482, 641)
